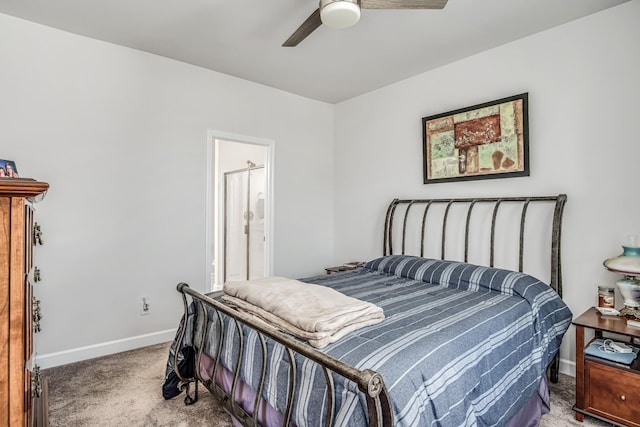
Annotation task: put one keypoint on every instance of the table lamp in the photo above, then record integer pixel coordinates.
(628, 264)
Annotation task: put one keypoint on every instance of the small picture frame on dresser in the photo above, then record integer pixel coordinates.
(8, 169)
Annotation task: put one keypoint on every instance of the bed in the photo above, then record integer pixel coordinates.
(469, 337)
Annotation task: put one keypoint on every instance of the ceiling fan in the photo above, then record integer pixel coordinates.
(345, 13)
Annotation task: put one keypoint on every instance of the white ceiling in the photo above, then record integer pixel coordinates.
(243, 38)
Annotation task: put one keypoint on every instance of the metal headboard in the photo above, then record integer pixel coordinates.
(557, 202)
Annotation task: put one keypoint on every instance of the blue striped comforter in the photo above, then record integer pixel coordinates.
(461, 345)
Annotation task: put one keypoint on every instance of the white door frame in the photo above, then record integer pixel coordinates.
(213, 196)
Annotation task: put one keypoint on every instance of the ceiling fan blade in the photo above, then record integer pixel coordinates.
(402, 4)
(307, 27)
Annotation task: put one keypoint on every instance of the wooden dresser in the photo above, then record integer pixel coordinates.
(17, 240)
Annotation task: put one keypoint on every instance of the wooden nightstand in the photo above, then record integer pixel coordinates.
(606, 390)
(338, 269)
(344, 267)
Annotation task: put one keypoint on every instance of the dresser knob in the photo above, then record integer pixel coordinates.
(623, 398)
(36, 314)
(36, 386)
(37, 235)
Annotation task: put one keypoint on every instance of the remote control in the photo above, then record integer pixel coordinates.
(621, 347)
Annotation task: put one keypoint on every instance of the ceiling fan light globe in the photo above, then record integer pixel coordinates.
(339, 14)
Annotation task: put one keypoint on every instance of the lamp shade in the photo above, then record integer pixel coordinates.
(627, 264)
(339, 13)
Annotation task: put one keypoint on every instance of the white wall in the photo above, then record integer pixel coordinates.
(121, 137)
(584, 88)
(234, 156)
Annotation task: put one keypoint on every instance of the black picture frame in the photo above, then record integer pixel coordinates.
(484, 141)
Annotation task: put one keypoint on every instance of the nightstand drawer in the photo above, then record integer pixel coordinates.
(613, 393)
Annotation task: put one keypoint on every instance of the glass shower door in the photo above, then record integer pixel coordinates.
(244, 224)
(255, 224)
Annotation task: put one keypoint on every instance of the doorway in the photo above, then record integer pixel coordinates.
(240, 208)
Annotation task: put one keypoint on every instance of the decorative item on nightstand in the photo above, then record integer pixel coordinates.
(606, 297)
(628, 264)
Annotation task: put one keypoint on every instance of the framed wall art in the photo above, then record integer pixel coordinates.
(485, 141)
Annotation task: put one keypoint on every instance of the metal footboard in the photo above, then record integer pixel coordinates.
(370, 383)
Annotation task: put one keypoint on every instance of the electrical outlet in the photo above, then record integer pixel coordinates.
(145, 308)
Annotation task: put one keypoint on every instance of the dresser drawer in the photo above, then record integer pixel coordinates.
(613, 392)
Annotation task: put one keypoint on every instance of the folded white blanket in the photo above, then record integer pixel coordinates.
(318, 314)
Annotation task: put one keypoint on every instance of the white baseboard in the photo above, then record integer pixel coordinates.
(567, 367)
(103, 349)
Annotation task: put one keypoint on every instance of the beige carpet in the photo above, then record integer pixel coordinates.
(125, 389)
